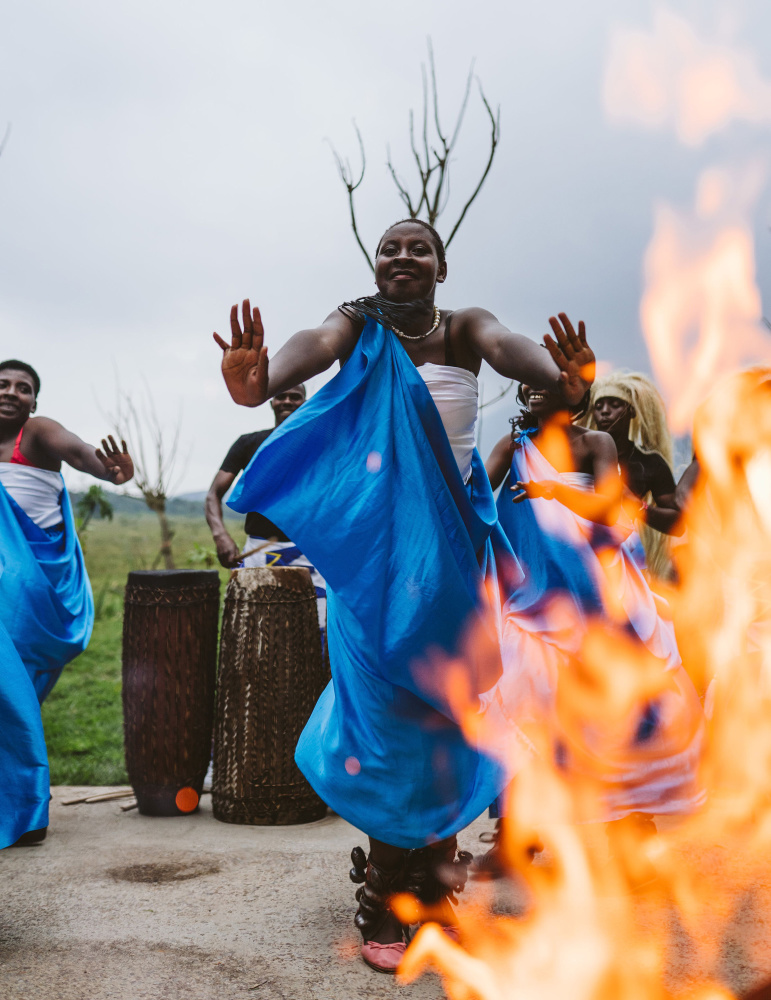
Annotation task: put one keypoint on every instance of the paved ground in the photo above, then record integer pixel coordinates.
(118, 905)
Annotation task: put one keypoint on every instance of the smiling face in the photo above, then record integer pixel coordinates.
(285, 403)
(613, 415)
(542, 402)
(17, 397)
(407, 266)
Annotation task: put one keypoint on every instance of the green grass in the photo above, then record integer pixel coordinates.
(83, 715)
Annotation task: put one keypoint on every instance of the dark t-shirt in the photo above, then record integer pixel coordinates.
(644, 471)
(237, 459)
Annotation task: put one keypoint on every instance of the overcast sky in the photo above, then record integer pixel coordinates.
(168, 158)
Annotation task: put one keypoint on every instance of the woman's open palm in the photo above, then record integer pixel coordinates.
(573, 356)
(245, 359)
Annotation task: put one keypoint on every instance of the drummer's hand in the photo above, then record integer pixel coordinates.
(245, 359)
(533, 491)
(573, 356)
(227, 551)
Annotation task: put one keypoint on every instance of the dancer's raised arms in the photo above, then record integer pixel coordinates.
(308, 353)
(515, 356)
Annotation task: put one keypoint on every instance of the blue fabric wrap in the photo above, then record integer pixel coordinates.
(551, 565)
(45, 595)
(24, 787)
(362, 478)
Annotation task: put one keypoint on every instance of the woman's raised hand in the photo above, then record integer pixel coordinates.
(245, 359)
(117, 462)
(573, 356)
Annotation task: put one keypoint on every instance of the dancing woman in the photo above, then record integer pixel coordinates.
(377, 479)
(628, 406)
(568, 529)
(46, 606)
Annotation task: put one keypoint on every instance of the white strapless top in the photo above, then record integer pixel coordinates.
(456, 394)
(36, 491)
(578, 480)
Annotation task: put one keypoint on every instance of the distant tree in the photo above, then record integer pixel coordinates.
(432, 152)
(155, 450)
(93, 503)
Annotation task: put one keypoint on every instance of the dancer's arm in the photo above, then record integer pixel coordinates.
(601, 506)
(499, 462)
(307, 353)
(109, 462)
(227, 551)
(567, 364)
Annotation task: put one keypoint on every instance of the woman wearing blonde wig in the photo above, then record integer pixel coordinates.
(628, 406)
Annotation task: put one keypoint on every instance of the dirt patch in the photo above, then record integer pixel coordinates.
(167, 871)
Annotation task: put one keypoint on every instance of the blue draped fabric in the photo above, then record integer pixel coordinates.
(46, 603)
(362, 478)
(24, 784)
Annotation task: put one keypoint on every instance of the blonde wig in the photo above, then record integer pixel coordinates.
(650, 432)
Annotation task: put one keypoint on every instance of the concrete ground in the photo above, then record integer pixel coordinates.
(118, 905)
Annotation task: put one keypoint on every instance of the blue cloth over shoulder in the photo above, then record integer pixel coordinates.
(24, 787)
(362, 478)
(46, 603)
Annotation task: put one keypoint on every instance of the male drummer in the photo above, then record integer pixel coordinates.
(266, 544)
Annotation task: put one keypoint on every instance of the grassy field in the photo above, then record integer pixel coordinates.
(83, 715)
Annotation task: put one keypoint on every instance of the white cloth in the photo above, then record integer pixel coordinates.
(578, 480)
(455, 391)
(37, 491)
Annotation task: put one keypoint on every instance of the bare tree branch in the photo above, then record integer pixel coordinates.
(495, 135)
(403, 192)
(504, 392)
(346, 175)
(433, 161)
(5, 138)
(155, 478)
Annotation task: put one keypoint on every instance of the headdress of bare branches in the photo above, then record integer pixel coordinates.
(432, 154)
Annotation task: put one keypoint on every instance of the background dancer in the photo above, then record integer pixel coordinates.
(46, 604)
(266, 544)
(567, 486)
(629, 407)
(377, 479)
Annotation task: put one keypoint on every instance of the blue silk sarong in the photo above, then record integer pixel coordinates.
(24, 783)
(46, 603)
(362, 478)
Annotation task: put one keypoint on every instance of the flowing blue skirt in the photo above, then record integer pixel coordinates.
(362, 478)
(46, 603)
(23, 760)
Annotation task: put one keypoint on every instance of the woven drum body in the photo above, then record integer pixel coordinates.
(271, 675)
(169, 673)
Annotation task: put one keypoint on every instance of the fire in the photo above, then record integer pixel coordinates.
(649, 913)
(701, 309)
(604, 919)
(670, 77)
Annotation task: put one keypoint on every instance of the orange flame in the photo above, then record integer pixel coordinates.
(669, 77)
(650, 913)
(701, 309)
(600, 925)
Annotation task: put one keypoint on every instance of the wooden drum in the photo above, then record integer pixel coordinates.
(271, 675)
(169, 669)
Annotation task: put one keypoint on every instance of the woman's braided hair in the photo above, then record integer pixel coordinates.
(394, 314)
